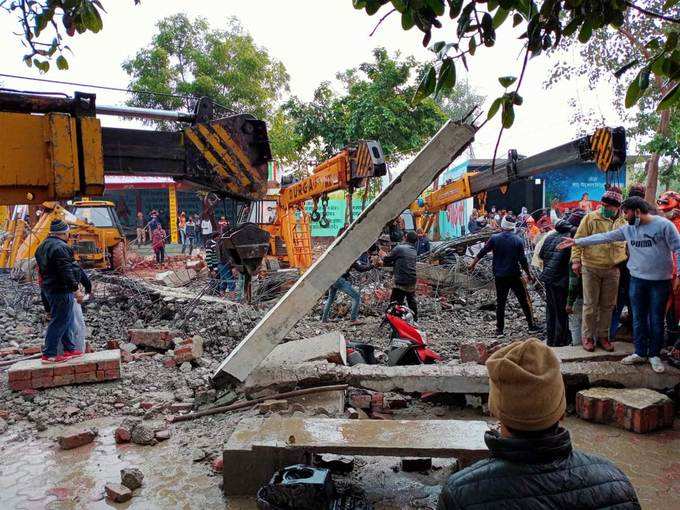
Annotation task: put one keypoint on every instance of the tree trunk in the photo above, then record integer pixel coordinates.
(652, 166)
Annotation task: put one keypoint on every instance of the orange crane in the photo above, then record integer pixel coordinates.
(284, 216)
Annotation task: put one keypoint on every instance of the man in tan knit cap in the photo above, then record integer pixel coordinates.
(533, 464)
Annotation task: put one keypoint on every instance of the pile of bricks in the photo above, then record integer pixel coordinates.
(377, 405)
(188, 349)
(640, 410)
(92, 367)
(13, 351)
(161, 339)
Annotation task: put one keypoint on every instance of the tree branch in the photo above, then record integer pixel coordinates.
(653, 14)
(380, 22)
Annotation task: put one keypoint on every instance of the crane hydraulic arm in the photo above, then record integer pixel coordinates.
(54, 148)
(606, 147)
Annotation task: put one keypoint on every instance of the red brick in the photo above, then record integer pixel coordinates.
(108, 365)
(9, 351)
(62, 380)
(112, 374)
(477, 352)
(27, 351)
(147, 405)
(218, 464)
(117, 493)
(42, 372)
(169, 363)
(123, 435)
(112, 345)
(360, 401)
(85, 377)
(100, 375)
(377, 400)
(20, 385)
(76, 439)
(88, 367)
(20, 375)
(64, 370)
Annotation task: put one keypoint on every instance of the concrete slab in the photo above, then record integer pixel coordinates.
(331, 401)
(258, 445)
(461, 378)
(448, 143)
(638, 409)
(571, 353)
(91, 367)
(329, 347)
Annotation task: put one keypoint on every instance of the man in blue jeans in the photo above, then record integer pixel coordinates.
(342, 284)
(652, 243)
(59, 274)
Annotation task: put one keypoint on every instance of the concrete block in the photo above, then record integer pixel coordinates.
(155, 338)
(34, 374)
(330, 347)
(260, 446)
(639, 410)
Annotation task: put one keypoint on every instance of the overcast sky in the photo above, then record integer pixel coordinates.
(315, 39)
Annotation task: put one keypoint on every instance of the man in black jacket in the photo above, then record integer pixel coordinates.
(403, 259)
(555, 278)
(508, 261)
(532, 464)
(344, 285)
(59, 275)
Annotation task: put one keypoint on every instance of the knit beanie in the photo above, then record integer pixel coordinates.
(526, 388)
(58, 227)
(613, 196)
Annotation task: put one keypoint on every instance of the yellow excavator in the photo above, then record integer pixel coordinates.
(284, 217)
(53, 149)
(606, 147)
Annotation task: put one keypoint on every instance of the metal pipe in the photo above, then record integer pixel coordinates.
(144, 113)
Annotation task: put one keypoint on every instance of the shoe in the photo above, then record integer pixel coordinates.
(53, 359)
(356, 322)
(499, 334)
(657, 364)
(534, 329)
(588, 344)
(72, 354)
(606, 344)
(633, 359)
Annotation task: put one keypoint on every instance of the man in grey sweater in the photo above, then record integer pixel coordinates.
(653, 242)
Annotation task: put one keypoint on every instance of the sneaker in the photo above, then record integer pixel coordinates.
(499, 334)
(53, 359)
(633, 359)
(72, 354)
(534, 329)
(657, 364)
(588, 344)
(606, 344)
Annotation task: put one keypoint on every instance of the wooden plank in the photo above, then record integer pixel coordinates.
(447, 144)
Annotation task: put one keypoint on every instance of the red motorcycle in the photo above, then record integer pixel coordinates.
(409, 343)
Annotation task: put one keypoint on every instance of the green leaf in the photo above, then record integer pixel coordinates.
(670, 3)
(373, 6)
(28, 61)
(643, 79)
(516, 98)
(44, 66)
(473, 45)
(619, 72)
(447, 76)
(586, 32)
(62, 63)
(359, 4)
(508, 115)
(657, 65)
(671, 41)
(669, 99)
(571, 27)
(495, 106)
(491, 5)
(506, 81)
(400, 5)
(633, 93)
(407, 20)
(438, 46)
(516, 19)
(426, 86)
(455, 7)
(500, 17)
(437, 6)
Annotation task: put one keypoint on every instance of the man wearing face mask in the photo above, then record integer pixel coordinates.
(597, 265)
(653, 242)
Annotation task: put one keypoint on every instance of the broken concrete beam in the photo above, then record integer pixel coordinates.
(573, 353)
(329, 347)
(91, 367)
(260, 446)
(447, 144)
(155, 338)
(640, 410)
(333, 402)
(462, 378)
(76, 439)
